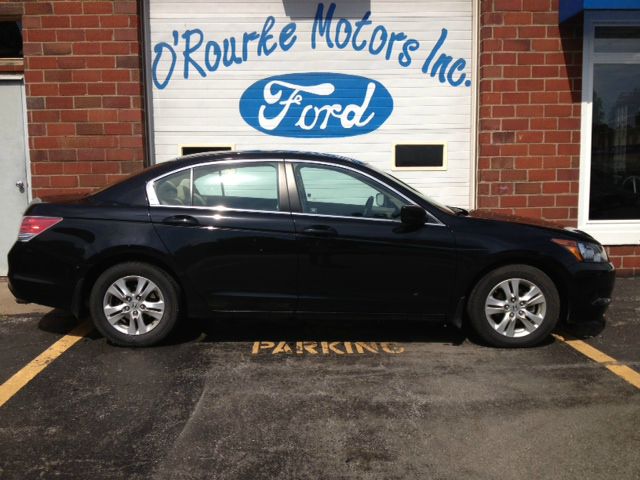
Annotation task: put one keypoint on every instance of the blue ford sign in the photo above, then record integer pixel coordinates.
(316, 105)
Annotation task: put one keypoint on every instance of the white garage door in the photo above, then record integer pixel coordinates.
(358, 78)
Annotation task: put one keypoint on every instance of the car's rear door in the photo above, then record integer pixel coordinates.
(229, 227)
(356, 256)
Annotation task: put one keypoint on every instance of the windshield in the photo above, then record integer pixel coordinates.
(433, 202)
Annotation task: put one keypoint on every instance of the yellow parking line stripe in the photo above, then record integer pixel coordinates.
(587, 350)
(626, 373)
(629, 374)
(23, 376)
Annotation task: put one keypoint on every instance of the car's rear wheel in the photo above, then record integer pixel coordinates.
(514, 306)
(134, 304)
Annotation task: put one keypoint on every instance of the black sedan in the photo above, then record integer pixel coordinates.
(298, 233)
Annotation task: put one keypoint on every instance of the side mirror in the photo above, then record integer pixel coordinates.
(413, 215)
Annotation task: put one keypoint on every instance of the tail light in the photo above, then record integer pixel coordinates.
(33, 226)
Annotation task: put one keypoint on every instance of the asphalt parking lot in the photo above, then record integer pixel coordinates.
(323, 399)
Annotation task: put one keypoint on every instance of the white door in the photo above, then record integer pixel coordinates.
(13, 165)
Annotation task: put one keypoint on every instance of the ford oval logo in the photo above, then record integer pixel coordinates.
(316, 105)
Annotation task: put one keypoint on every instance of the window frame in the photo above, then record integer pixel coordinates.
(296, 204)
(283, 197)
(608, 232)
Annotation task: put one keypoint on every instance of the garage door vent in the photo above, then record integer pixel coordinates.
(420, 156)
(188, 150)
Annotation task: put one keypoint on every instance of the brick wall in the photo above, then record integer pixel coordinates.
(626, 259)
(529, 128)
(84, 95)
(529, 125)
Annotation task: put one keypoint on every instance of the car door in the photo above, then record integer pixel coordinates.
(356, 255)
(229, 227)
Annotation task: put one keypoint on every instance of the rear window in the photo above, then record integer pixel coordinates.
(174, 189)
(242, 187)
(246, 187)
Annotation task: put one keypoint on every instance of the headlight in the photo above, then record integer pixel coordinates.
(592, 252)
(584, 251)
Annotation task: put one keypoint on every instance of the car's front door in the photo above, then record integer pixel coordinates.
(356, 255)
(230, 230)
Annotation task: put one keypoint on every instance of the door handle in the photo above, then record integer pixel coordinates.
(181, 220)
(20, 185)
(321, 230)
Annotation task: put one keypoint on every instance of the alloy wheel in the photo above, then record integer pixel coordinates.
(515, 307)
(133, 305)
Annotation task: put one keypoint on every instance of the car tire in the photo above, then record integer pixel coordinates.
(135, 304)
(514, 306)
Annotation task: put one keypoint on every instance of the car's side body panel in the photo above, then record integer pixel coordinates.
(238, 261)
(374, 267)
(60, 258)
(485, 244)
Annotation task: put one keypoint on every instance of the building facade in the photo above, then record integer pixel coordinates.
(523, 107)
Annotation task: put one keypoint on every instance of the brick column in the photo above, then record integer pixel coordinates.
(530, 93)
(84, 95)
(529, 132)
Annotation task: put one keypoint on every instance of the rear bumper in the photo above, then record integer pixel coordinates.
(35, 277)
(30, 290)
(590, 292)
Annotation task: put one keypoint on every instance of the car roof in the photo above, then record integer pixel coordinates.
(196, 158)
(120, 189)
(165, 167)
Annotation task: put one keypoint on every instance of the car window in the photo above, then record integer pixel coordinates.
(174, 189)
(246, 187)
(326, 190)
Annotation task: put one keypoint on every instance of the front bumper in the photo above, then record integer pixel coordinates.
(590, 291)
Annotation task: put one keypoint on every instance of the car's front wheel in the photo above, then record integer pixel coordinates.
(514, 306)
(134, 304)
